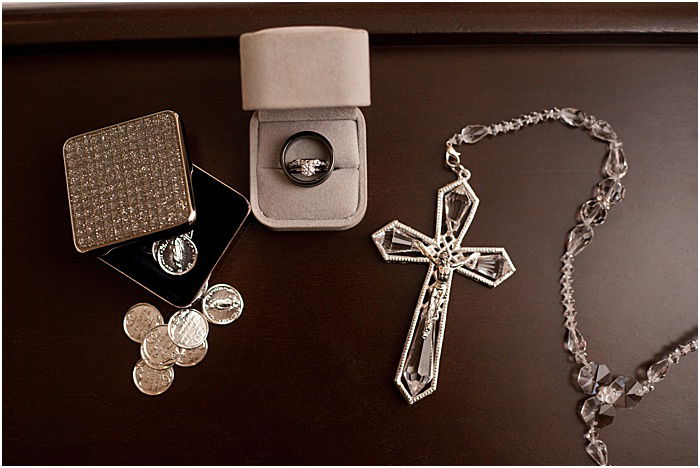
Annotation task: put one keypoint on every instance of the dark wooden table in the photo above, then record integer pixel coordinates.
(305, 376)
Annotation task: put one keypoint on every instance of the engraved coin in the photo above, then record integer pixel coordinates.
(222, 304)
(178, 255)
(152, 381)
(140, 319)
(192, 357)
(188, 328)
(152, 364)
(158, 349)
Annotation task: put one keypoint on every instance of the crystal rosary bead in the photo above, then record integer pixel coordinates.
(615, 163)
(604, 392)
(603, 131)
(579, 238)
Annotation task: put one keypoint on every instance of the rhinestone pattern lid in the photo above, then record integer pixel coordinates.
(127, 181)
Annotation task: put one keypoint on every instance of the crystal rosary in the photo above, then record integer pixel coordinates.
(417, 374)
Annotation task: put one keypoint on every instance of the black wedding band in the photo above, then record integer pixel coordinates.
(307, 172)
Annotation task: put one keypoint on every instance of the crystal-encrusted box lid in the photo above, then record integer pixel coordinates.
(127, 181)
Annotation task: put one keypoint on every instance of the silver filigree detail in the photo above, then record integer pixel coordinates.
(417, 374)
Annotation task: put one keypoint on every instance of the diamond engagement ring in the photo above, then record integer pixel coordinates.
(307, 167)
(309, 171)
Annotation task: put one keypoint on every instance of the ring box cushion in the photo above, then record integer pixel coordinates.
(340, 201)
(300, 79)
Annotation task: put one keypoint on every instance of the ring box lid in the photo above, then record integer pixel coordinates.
(128, 181)
(305, 67)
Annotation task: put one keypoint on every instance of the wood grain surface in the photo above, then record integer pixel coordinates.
(305, 376)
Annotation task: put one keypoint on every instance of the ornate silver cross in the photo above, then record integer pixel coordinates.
(417, 374)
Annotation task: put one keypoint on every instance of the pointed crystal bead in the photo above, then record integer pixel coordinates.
(573, 117)
(598, 451)
(457, 205)
(493, 266)
(579, 238)
(474, 133)
(603, 131)
(575, 342)
(610, 191)
(630, 391)
(658, 370)
(592, 376)
(397, 242)
(593, 212)
(420, 362)
(592, 410)
(616, 163)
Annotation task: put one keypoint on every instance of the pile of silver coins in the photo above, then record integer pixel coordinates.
(182, 341)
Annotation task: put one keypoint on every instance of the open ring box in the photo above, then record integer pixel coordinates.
(300, 79)
(131, 184)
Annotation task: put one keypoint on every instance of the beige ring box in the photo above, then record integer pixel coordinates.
(310, 78)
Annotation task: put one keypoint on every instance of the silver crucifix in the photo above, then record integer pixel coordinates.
(417, 374)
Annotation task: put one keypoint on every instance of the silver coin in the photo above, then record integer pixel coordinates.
(154, 365)
(152, 381)
(140, 319)
(178, 255)
(192, 357)
(188, 328)
(222, 304)
(158, 349)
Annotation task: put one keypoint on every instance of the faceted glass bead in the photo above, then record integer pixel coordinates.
(616, 163)
(474, 133)
(573, 117)
(593, 212)
(397, 242)
(603, 131)
(610, 190)
(493, 266)
(593, 376)
(420, 362)
(658, 370)
(575, 342)
(675, 357)
(457, 205)
(598, 451)
(593, 410)
(579, 238)
(630, 391)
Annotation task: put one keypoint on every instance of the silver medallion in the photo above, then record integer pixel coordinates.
(188, 328)
(158, 349)
(178, 255)
(140, 319)
(154, 250)
(222, 304)
(192, 357)
(152, 381)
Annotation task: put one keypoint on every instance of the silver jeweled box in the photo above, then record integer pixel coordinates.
(127, 181)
